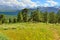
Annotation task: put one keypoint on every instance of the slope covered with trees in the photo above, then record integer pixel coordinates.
(26, 15)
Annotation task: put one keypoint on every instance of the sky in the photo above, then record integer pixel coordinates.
(30, 3)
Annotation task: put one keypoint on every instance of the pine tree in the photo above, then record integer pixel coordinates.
(14, 20)
(2, 18)
(25, 14)
(20, 17)
(35, 15)
(58, 16)
(10, 20)
(52, 17)
(45, 17)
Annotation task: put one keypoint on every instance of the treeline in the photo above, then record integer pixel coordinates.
(27, 15)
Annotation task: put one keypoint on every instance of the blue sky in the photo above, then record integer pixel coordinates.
(30, 3)
(53, 2)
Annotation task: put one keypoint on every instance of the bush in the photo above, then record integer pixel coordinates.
(10, 20)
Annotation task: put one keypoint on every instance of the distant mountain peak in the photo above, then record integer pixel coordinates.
(14, 10)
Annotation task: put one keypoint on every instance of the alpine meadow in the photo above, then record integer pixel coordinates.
(29, 20)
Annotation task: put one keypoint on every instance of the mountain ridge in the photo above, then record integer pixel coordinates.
(14, 11)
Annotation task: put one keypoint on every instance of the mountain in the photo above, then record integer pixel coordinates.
(48, 9)
(10, 10)
(9, 13)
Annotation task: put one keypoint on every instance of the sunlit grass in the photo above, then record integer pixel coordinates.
(3, 37)
(29, 31)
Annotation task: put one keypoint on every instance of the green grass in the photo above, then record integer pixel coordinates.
(29, 31)
(3, 37)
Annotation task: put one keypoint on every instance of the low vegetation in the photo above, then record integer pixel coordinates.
(31, 31)
(31, 25)
(2, 37)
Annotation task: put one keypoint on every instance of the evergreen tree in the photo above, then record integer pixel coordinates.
(2, 18)
(45, 17)
(41, 16)
(35, 16)
(58, 16)
(10, 20)
(14, 20)
(52, 17)
(3, 21)
(25, 14)
(20, 17)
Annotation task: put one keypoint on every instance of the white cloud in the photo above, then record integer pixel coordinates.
(27, 3)
(20, 3)
(51, 3)
(46, 5)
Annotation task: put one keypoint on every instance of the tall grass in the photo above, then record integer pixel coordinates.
(27, 31)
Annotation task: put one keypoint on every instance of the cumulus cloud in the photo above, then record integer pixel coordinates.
(27, 3)
(46, 5)
(51, 3)
(19, 3)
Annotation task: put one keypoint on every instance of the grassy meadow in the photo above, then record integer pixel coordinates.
(30, 24)
(30, 31)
